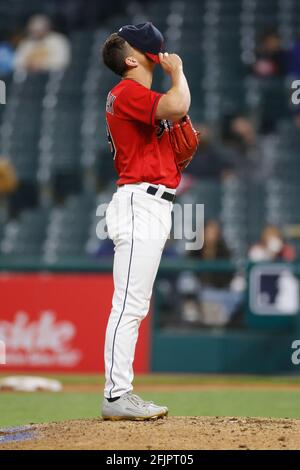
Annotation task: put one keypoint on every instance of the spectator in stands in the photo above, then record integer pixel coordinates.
(296, 118)
(6, 57)
(214, 248)
(271, 247)
(293, 60)
(43, 49)
(270, 56)
(207, 297)
(210, 161)
(249, 155)
(8, 178)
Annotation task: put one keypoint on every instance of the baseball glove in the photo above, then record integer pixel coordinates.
(185, 141)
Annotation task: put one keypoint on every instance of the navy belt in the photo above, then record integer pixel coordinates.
(165, 195)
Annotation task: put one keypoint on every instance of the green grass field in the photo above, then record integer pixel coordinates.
(268, 401)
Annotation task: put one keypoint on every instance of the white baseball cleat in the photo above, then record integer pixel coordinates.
(132, 407)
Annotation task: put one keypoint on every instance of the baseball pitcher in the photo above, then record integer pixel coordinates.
(152, 140)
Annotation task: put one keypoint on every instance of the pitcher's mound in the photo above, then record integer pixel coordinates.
(172, 433)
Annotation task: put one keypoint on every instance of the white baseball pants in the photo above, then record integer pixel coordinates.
(139, 225)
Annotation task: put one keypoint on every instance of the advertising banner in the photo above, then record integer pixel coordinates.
(56, 323)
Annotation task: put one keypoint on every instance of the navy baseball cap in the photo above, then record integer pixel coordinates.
(144, 37)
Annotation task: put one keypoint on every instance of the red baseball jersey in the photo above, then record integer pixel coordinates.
(139, 143)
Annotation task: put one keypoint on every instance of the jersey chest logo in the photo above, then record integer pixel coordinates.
(161, 127)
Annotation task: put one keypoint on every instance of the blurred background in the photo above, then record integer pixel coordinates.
(232, 306)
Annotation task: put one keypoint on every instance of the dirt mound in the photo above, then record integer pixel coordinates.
(172, 433)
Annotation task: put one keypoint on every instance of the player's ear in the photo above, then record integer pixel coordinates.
(131, 62)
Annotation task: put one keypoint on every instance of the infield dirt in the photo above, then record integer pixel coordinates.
(172, 433)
